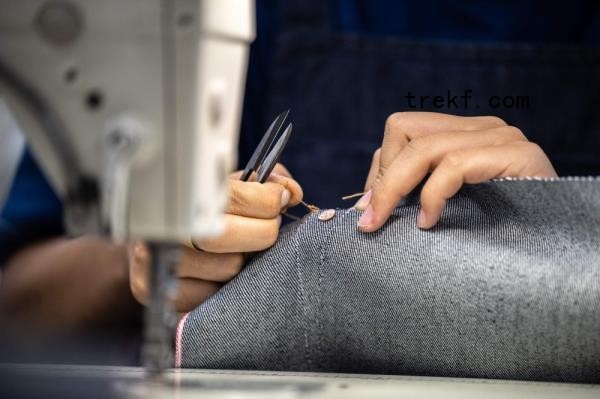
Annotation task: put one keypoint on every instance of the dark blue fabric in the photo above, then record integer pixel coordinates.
(528, 21)
(32, 210)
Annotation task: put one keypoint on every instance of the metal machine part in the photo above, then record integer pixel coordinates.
(157, 353)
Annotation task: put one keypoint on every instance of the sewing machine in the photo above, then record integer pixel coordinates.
(132, 108)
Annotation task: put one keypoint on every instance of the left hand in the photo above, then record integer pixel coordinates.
(252, 218)
(455, 149)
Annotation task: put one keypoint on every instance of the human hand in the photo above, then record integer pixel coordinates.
(252, 220)
(455, 150)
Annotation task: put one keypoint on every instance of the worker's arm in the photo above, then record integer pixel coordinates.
(455, 150)
(252, 221)
(65, 285)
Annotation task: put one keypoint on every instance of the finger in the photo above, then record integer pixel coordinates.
(419, 157)
(282, 176)
(243, 234)
(294, 188)
(402, 127)
(521, 159)
(209, 266)
(193, 264)
(256, 200)
(281, 170)
(374, 170)
(139, 264)
(192, 292)
(365, 200)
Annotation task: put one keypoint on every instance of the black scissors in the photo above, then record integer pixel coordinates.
(265, 158)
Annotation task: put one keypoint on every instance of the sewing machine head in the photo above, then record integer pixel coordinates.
(132, 107)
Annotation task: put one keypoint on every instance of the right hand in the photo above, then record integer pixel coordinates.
(455, 150)
(252, 220)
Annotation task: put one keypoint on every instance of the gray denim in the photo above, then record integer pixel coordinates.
(506, 286)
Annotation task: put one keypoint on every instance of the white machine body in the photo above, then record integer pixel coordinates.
(165, 77)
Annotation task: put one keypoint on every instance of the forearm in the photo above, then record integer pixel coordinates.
(65, 285)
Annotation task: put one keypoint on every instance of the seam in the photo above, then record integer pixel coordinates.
(301, 292)
(322, 258)
(548, 179)
(179, 341)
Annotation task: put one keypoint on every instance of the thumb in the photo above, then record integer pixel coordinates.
(294, 188)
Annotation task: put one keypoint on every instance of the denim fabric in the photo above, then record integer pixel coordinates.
(506, 286)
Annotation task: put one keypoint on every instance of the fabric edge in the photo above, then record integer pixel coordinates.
(178, 340)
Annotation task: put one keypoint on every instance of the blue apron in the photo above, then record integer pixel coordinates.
(342, 86)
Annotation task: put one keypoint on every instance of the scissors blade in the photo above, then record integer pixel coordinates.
(267, 166)
(263, 147)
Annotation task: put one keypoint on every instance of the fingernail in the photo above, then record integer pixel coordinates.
(138, 249)
(362, 203)
(138, 252)
(367, 217)
(422, 219)
(285, 198)
(279, 220)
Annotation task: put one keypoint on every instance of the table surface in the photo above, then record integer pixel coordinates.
(130, 382)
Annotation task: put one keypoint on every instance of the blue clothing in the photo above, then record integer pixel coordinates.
(471, 21)
(527, 21)
(33, 211)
